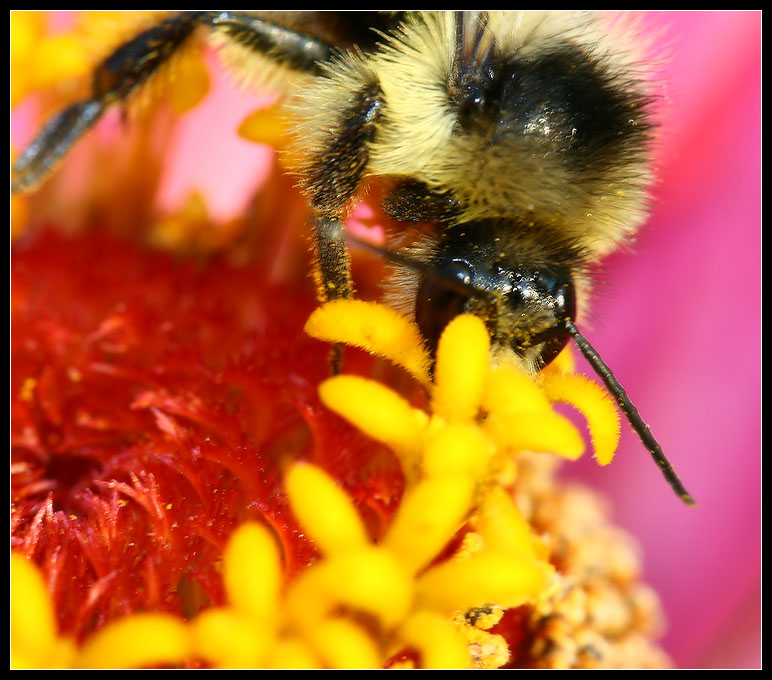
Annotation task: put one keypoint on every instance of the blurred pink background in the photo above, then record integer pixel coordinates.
(677, 319)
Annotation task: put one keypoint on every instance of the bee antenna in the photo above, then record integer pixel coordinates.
(460, 286)
(628, 408)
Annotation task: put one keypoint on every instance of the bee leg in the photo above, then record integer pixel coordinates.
(292, 49)
(412, 201)
(114, 79)
(331, 180)
(134, 62)
(53, 142)
(332, 271)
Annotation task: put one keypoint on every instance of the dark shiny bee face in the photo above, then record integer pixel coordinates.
(515, 284)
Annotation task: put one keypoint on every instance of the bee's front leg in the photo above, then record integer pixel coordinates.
(331, 179)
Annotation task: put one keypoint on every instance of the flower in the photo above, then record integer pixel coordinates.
(35, 642)
(448, 459)
(161, 403)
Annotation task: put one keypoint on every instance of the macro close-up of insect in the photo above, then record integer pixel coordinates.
(513, 155)
(524, 138)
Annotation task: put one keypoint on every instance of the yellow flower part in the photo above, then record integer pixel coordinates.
(137, 641)
(513, 409)
(306, 630)
(57, 58)
(381, 414)
(503, 527)
(189, 82)
(353, 574)
(438, 641)
(26, 29)
(19, 209)
(519, 415)
(447, 450)
(386, 581)
(265, 126)
(489, 651)
(375, 328)
(250, 632)
(484, 409)
(562, 363)
(461, 369)
(44, 60)
(290, 652)
(483, 578)
(362, 602)
(189, 224)
(369, 581)
(427, 518)
(35, 642)
(457, 543)
(337, 528)
(19, 215)
(341, 643)
(545, 431)
(322, 615)
(357, 606)
(595, 404)
(253, 545)
(228, 638)
(41, 59)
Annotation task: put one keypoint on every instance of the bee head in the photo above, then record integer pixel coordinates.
(522, 288)
(525, 309)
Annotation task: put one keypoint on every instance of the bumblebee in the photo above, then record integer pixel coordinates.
(519, 140)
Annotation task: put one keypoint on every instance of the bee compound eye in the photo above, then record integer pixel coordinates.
(440, 298)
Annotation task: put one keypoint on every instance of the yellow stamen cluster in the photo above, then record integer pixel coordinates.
(475, 396)
(456, 457)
